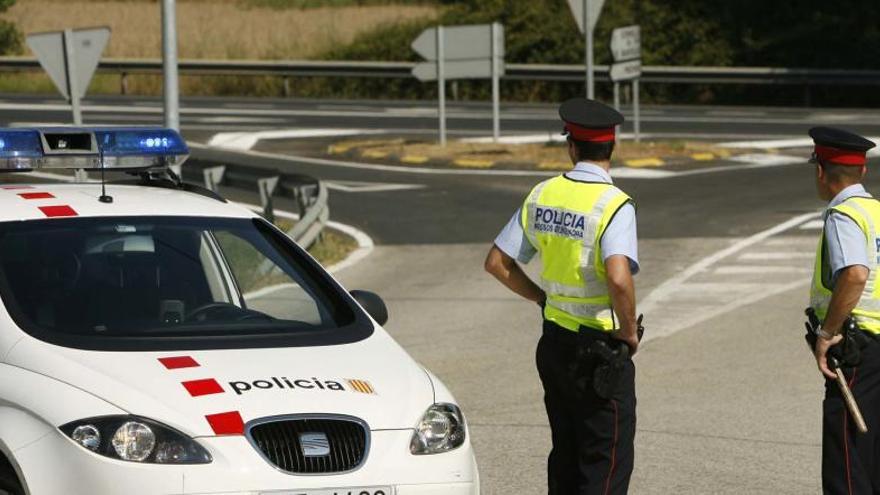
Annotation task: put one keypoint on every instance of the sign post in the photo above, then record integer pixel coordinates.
(441, 83)
(497, 58)
(626, 50)
(462, 52)
(586, 13)
(70, 57)
(169, 65)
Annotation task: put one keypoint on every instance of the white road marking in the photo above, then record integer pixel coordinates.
(244, 141)
(785, 143)
(352, 186)
(813, 225)
(775, 256)
(759, 269)
(770, 143)
(665, 318)
(768, 159)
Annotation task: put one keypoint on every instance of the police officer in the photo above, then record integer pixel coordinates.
(584, 229)
(845, 283)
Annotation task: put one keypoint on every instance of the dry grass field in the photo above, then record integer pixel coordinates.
(208, 29)
(214, 29)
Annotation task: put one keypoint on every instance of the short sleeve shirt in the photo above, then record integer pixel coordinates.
(844, 240)
(620, 237)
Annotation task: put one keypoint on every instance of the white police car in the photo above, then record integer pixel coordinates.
(155, 339)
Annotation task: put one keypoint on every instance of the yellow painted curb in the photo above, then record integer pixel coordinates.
(703, 156)
(644, 162)
(338, 149)
(473, 163)
(554, 165)
(723, 153)
(374, 154)
(415, 159)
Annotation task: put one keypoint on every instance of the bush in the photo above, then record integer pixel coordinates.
(10, 38)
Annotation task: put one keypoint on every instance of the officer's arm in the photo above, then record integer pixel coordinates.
(623, 298)
(847, 292)
(509, 273)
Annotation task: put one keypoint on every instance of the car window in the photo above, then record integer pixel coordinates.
(138, 278)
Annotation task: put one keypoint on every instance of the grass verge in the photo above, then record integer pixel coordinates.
(331, 247)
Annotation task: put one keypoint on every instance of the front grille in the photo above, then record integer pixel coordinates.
(280, 442)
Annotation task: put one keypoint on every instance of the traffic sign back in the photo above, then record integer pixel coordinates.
(577, 10)
(88, 44)
(461, 42)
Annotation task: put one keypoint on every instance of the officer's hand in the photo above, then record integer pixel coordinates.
(632, 342)
(822, 346)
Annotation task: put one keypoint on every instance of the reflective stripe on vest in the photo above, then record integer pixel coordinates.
(564, 220)
(866, 213)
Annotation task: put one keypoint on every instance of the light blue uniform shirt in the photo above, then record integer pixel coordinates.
(844, 240)
(620, 236)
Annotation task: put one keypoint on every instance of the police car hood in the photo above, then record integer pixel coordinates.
(205, 393)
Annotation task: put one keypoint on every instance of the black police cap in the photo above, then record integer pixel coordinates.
(833, 137)
(589, 114)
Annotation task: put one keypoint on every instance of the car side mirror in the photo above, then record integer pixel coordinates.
(372, 304)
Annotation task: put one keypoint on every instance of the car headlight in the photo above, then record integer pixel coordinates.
(136, 439)
(441, 429)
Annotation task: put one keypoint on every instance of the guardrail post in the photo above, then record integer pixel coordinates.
(214, 176)
(286, 81)
(267, 188)
(123, 83)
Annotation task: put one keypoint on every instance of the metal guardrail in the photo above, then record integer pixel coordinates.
(244, 171)
(514, 72)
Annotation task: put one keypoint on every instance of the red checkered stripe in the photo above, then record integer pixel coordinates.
(223, 423)
(50, 211)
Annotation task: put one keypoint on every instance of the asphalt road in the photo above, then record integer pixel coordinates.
(419, 117)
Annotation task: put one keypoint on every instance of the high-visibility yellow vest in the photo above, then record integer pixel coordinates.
(866, 213)
(564, 220)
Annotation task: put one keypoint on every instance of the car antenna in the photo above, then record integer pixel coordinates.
(104, 198)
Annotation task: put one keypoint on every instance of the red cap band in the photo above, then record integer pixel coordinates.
(839, 156)
(579, 133)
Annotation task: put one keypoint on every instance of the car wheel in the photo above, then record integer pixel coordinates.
(10, 486)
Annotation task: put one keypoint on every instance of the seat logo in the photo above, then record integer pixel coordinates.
(314, 444)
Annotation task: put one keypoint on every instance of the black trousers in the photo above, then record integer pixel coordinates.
(592, 437)
(851, 460)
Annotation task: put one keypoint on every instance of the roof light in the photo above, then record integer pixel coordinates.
(91, 149)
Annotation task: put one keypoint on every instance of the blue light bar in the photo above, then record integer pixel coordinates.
(132, 142)
(20, 144)
(132, 148)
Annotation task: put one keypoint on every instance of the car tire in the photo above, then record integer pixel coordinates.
(9, 485)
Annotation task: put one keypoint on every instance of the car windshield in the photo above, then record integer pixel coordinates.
(144, 278)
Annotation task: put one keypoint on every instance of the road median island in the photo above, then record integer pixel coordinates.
(551, 155)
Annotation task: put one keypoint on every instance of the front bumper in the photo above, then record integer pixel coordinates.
(54, 465)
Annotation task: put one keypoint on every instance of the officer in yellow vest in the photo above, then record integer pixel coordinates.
(845, 283)
(584, 229)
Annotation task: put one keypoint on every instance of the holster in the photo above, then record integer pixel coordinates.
(599, 365)
(848, 352)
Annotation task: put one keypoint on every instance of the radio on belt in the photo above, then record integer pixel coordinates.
(119, 148)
